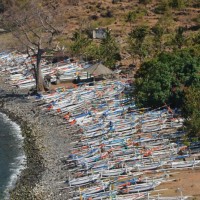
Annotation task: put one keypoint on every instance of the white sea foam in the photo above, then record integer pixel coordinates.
(20, 161)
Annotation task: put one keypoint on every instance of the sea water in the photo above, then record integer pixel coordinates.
(12, 157)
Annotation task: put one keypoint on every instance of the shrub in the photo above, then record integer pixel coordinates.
(93, 17)
(107, 14)
(178, 4)
(162, 7)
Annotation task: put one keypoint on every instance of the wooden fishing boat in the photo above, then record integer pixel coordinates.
(138, 196)
(83, 180)
(146, 167)
(158, 197)
(92, 190)
(100, 195)
(185, 164)
(113, 172)
(143, 187)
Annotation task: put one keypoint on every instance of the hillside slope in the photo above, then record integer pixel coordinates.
(121, 16)
(91, 14)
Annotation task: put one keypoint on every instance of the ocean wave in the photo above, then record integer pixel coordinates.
(16, 130)
(19, 163)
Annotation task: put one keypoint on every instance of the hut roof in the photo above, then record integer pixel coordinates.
(98, 69)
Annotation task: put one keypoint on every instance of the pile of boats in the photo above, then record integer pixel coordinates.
(119, 151)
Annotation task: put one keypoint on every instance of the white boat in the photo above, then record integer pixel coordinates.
(185, 164)
(83, 180)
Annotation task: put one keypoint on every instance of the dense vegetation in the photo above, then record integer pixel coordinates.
(164, 79)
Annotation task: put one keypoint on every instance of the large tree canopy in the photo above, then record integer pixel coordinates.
(164, 79)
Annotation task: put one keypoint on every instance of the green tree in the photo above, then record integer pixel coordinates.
(153, 83)
(80, 42)
(191, 110)
(131, 17)
(145, 2)
(178, 4)
(163, 79)
(179, 40)
(92, 52)
(162, 7)
(158, 32)
(134, 15)
(196, 39)
(109, 50)
(136, 45)
(139, 33)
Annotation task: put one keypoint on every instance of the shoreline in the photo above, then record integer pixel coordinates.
(22, 188)
(46, 140)
(19, 162)
(34, 164)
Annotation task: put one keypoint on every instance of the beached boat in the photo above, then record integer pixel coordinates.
(185, 164)
(113, 172)
(138, 196)
(100, 195)
(83, 180)
(143, 187)
(93, 189)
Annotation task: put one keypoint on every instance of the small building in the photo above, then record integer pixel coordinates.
(99, 33)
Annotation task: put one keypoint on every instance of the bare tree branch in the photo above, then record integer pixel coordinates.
(21, 27)
(32, 30)
(23, 43)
